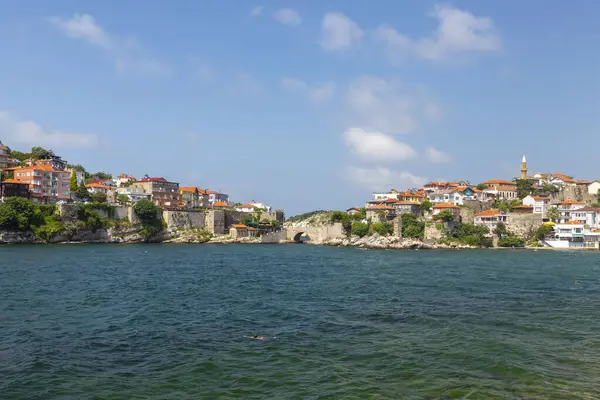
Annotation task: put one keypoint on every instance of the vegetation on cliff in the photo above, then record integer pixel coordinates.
(150, 217)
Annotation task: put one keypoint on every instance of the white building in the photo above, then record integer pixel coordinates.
(561, 180)
(566, 208)
(123, 179)
(446, 196)
(392, 194)
(98, 188)
(540, 204)
(214, 197)
(490, 218)
(503, 192)
(590, 216)
(594, 187)
(134, 194)
(568, 235)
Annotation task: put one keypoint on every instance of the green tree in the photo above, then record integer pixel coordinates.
(123, 200)
(511, 241)
(501, 229)
(149, 216)
(412, 227)
(542, 231)
(82, 193)
(525, 187)
(99, 176)
(412, 231)
(360, 229)
(552, 214)
(98, 197)
(549, 189)
(482, 186)
(73, 181)
(598, 195)
(39, 153)
(9, 219)
(383, 228)
(425, 206)
(446, 216)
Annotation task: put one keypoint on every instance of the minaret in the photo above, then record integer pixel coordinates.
(524, 168)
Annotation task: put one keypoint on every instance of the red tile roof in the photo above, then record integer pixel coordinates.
(498, 182)
(380, 207)
(445, 205)
(565, 202)
(239, 226)
(574, 223)
(157, 179)
(488, 213)
(14, 181)
(220, 204)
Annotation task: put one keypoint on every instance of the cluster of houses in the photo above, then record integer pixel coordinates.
(49, 181)
(576, 224)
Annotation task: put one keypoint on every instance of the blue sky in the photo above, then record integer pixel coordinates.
(305, 105)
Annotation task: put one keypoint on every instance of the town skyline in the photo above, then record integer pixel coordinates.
(331, 101)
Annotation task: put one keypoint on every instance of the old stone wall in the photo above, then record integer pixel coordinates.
(184, 219)
(472, 207)
(215, 222)
(317, 234)
(272, 216)
(273, 237)
(433, 233)
(523, 225)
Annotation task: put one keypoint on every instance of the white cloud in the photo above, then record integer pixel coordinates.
(338, 32)
(458, 31)
(376, 146)
(437, 156)
(127, 52)
(317, 93)
(31, 134)
(288, 16)
(256, 11)
(381, 178)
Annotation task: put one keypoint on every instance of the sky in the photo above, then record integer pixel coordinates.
(307, 104)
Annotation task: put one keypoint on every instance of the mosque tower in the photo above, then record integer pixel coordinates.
(524, 168)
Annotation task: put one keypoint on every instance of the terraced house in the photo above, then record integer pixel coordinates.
(163, 192)
(46, 184)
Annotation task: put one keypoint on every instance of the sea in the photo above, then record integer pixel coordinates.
(166, 321)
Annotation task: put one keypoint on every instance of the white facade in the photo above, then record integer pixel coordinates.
(385, 196)
(594, 187)
(589, 216)
(491, 218)
(447, 196)
(134, 194)
(567, 208)
(501, 192)
(540, 204)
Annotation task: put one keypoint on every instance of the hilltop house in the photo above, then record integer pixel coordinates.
(447, 196)
(540, 204)
(193, 197)
(134, 194)
(561, 180)
(98, 188)
(594, 188)
(407, 207)
(46, 184)
(353, 210)
(164, 193)
(392, 194)
(124, 179)
(214, 197)
(381, 213)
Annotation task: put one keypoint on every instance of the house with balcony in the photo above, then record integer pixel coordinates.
(134, 194)
(567, 235)
(447, 196)
(46, 184)
(163, 192)
(193, 197)
(589, 216)
(490, 218)
(438, 208)
(381, 213)
(98, 188)
(540, 204)
(566, 208)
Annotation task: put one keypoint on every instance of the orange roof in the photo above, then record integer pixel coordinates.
(189, 189)
(97, 186)
(522, 207)
(445, 205)
(583, 182)
(574, 223)
(14, 181)
(572, 202)
(239, 226)
(506, 188)
(499, 181)
(407, 202)
(488, 213)
(220, 204)
(564, 177)
(247, 205)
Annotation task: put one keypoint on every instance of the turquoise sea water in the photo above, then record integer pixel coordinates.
(169, 322)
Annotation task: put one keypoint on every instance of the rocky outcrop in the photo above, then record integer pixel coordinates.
(376, 241)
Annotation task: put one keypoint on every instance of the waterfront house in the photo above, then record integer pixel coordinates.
(381, 213)
(569, 234)
(164, 193)
(540, 204)
(566, 208)
(490, 218)
(240, 231)
(14, 188)
(46, 184)
(589, 216)
(438, 208)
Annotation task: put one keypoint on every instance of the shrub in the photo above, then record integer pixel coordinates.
(383, 229)
(446, 216)
(52, 226)
(149, 216)
(511, 241)
(360, 229)
(413, 231)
